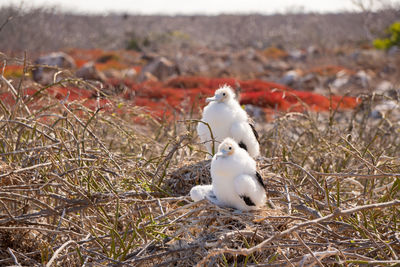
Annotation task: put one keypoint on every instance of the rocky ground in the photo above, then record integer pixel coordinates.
(261, 77)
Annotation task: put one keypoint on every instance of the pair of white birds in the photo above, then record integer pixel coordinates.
(235, 180)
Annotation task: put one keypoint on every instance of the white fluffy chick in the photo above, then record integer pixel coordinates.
(227, 118)
(235, 180)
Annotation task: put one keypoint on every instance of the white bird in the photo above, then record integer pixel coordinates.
(227, 118)
(235, 180)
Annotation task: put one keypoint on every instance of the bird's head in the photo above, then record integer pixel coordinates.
(223, 94)
(226, 148)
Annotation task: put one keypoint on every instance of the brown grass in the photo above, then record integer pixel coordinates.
(82, 187)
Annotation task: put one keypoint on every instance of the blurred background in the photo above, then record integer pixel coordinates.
(40, 25)
(348, 46)
(175, 7)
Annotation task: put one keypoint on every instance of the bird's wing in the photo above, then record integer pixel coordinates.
(249, 189)
(246, 188)
(254, 131)
(243, 134)
(260, 180)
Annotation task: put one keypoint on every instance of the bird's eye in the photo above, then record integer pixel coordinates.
(230, 148)
(223, 94)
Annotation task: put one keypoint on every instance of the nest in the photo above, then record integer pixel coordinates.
(202, 227)
(181, 180)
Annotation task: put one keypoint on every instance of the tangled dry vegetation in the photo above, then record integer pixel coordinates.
(83, 187)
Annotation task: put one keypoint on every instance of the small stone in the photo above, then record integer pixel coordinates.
(160, 68)
(89, 72)
(55, 61)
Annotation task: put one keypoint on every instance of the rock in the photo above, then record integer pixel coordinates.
(313, 51)
(375, 114)
(115, 74)
(340, 82)
(218, 65)
(309, 81)
(290, 77)
(389, 68)
(368, 57)
(342, 78)
(89, 72)
(241, 67)
(246, 54)
(129, 73)
(394, 50)
(256, 113)
(297, 54)
(363, 78)
(160, 68)
(385, 107)
(277, 65)
(150, 56)
(193, 65)
(56, 62)
(147, 76)
(386, 88)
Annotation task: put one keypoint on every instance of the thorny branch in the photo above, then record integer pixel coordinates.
(335, 214)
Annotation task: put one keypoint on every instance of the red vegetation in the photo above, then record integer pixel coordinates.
(70, 93)
(185, 94)
(182, 94)
(104, 60)
(98, 103)
(190, 92)
(9, 98)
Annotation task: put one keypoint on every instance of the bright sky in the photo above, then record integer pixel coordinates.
(193, 7)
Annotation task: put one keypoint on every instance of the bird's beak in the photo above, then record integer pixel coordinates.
(222, 154)
(219, 155)
(210, 99)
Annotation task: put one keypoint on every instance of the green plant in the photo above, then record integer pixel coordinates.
(393, 40)
(136, 42)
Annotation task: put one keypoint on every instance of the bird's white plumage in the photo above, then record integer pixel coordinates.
(246, 185)
(200, 192)
(226, 118)
(233, 174)
(241, 131)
